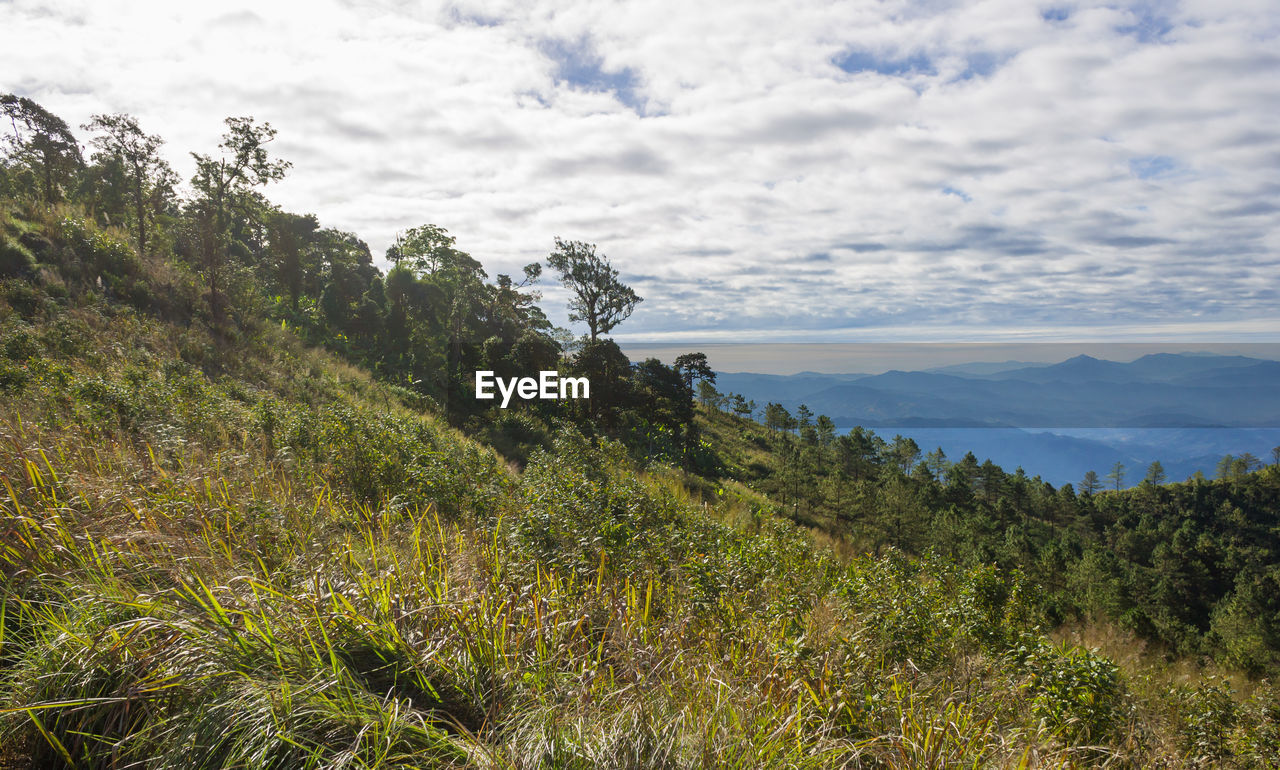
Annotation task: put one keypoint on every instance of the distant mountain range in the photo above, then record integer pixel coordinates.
(1156, 391)
(1055, 420)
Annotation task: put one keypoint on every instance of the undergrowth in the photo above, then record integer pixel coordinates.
(236, 552)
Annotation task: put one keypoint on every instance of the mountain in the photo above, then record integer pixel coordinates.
(1062, 419)
(779, 386)
(1260, 375)
(1165, 390)
(983, 368)
(1156, 367)
(1079, 369)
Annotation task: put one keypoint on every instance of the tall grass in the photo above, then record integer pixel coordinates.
(257, 569)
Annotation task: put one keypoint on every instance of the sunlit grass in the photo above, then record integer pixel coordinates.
(279, 565)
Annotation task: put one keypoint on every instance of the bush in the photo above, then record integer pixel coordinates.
(16, 260)
(1077, 693)
(22, 297)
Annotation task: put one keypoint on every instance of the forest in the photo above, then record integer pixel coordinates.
(253, 516)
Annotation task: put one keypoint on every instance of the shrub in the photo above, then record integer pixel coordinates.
(1076, 692)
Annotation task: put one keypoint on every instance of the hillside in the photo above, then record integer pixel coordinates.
(1184, 566)
(242, 552)
(248, 529)
(267, 559)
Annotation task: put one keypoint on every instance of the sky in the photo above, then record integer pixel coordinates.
(856, 171)
(880, 357)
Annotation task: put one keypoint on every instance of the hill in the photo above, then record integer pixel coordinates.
(249, 521)
(1177, 564)
(236, 550)
(1164, 391)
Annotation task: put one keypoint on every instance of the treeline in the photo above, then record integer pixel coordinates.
(1193, 567)
(112, 221)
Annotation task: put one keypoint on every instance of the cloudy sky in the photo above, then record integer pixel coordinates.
(807, 171)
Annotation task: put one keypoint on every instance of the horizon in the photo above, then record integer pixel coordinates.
(789, 359)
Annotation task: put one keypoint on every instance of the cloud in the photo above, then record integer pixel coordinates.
(964, 168)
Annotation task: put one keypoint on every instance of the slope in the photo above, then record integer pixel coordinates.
(223, 548)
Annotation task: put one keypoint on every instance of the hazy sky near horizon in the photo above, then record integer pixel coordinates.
(880, 357)
(986, 170)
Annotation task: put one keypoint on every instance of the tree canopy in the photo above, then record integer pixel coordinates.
(600, 299)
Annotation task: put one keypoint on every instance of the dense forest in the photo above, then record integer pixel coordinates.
(252, 516)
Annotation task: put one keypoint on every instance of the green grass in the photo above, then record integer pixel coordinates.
(239, 553)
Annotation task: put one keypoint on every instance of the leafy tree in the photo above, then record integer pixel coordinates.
(294, 256)
(904, 453)
(600, 299)
(226, 182)
(149, 178)
(804, 417)
(429, 250)
(936, 463)
(42, 143)
(666, 401)
(609, 371)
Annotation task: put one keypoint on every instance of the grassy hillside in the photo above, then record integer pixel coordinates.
(1188, 568)
(222, 548)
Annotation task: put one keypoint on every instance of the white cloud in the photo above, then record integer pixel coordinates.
(1081, 166)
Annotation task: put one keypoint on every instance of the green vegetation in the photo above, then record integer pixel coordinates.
(1189, 567)
(222, 545)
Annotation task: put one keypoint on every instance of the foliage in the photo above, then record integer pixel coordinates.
(223, 546)
(600, 299)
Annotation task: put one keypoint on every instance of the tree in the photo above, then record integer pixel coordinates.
(708, 395)
(694, 366)
(826, 430)
(776, 417)
(294, 258)
(149, 178)
(228, 181)
(1155, 473)
(609, 370)
(804, 417)
(667, 403)
(600, 299)
(42, 142)
(904, 453)
(1090, 484)
(1116, 476)
(429, 250)
(936, 463)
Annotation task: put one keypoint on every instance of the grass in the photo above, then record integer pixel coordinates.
(176, 618)
(219, 554)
